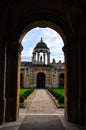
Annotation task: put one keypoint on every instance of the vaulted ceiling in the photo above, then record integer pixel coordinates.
(19, 16)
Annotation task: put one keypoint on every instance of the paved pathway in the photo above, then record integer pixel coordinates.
(41, 122)
(40, 113)
(42, 104)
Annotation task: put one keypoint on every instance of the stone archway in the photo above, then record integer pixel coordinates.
(70, 18)
(40, 80)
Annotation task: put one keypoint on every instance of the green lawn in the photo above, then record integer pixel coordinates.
(59, 90)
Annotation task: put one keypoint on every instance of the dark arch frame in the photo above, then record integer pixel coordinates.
(12, 27)
(46, 18)
(36, 18)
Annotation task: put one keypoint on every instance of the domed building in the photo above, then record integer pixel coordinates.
(40, 53)
(40, 73)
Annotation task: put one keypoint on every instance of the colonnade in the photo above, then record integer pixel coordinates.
(41, 57)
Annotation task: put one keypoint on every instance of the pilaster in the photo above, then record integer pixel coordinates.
(71, 81)
(38, 57)
(82, 75)
(12, 80)
(48, 58)
(2, 81)
(44, 57)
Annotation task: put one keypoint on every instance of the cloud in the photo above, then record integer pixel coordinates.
(25, 58)
(50, 37)
(27, 54)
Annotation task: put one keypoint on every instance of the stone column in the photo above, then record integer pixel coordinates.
(20, 48)
(44, 57)
(48, 58)
(12, 81)
(38, 57)
(75, 81)
(71, 82)
(66, 82)
(82, 77)
(2, 81)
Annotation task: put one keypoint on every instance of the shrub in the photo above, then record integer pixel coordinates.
(24, 92)
(57, 95)
(61, 99)
(54, 93)
(25, 95)
(22, 98)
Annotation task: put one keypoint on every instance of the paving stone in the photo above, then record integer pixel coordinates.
(40, 113)
(41, 122)
(42, 103)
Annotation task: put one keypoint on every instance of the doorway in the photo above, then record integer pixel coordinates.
(40, 80)
(61, 80)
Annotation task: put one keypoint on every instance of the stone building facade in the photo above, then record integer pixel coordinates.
(40, 72)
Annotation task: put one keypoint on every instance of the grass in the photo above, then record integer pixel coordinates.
(61, 105)
(22, 105)
(54, 90)
(59, 91)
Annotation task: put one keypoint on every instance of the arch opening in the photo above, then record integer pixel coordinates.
(65, 32)
(40, 80)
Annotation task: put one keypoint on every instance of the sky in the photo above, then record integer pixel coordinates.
(49, 36)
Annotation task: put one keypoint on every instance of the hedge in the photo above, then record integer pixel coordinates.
(24, 92)
(58, 94)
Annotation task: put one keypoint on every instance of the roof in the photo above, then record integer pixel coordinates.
(41, 45)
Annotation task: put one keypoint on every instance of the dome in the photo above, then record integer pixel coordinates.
(41, 45)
